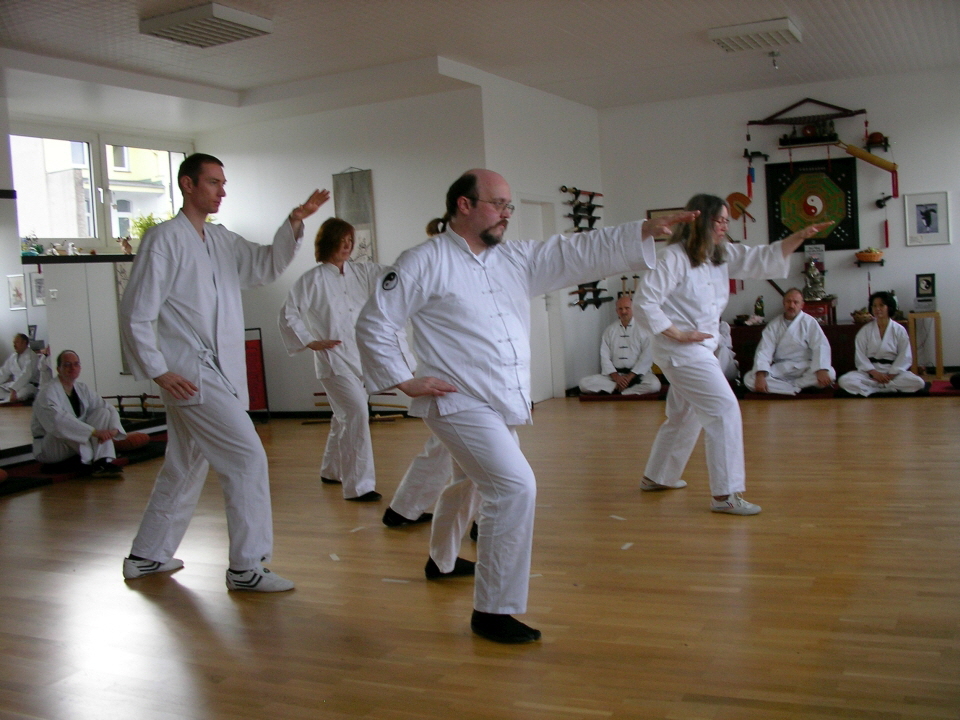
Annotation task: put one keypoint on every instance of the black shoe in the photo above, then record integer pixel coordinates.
(106, 467)
(474, 531)
(461, 568)
(371, 496)
(502, 628)
(328, 481)
(391, 518)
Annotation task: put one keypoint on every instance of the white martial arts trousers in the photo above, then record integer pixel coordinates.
(423, 481)
(857, 382)
(699, 397)
(489, 464)
(218, 434)
(53, 449)
(348, 456)
(785, 385)
(649, 384)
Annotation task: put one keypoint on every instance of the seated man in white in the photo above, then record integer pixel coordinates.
(793, 353)
(19, 374)
(626, 355)
(883, 356)
(724, 352)
(70, 419)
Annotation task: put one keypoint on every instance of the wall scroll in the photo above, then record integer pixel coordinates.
(353, 202)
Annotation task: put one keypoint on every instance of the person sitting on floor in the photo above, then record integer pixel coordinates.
(793, 353)
(70, 419)
(18, 374)
(883, 356)
(724, 352)
(625, 358)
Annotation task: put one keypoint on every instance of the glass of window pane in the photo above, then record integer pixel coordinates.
(143, 188)
(54, 192)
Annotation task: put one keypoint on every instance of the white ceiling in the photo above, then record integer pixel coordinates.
(85, 59)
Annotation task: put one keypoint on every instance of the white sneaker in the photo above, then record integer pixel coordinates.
(133, 569)
(734, 505)
(648, 485)
(257, 580)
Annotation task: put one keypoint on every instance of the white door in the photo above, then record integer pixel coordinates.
(533, 220)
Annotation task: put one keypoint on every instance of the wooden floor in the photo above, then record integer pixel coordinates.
(841, 600)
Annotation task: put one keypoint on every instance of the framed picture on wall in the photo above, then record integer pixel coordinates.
(927, 218)
(16, 292)
(926, 285)
(38, 292)
(660, 212)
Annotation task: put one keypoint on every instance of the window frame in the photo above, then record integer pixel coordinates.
(100, 164)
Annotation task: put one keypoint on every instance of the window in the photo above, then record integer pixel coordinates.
(91, 189)
(118, 154)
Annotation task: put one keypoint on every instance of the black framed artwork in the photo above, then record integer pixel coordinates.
(926, 285)
(814, 191)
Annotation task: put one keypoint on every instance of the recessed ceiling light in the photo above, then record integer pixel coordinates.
(206, 25)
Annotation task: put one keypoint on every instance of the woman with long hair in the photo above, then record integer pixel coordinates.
(681, 301)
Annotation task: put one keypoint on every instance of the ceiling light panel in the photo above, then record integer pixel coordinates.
(756, 36)
(206, 25)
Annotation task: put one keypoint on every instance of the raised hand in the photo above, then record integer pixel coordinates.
(312, 204)
(661, 225)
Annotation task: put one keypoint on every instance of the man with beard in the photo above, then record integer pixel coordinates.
(467, 295)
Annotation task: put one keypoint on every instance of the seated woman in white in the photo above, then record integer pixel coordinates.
(883, 355)
(70, 419)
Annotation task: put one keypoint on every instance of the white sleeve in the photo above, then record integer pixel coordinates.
(654, 289)
(397, 297)
(765, 350)
(293, 330)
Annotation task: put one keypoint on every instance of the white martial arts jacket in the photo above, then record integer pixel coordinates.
(894, 347)
(53, 415)
(18, 371)
(790, 349)
(471, 313)
(693, 298)
(324, 305)
(191, 290)
(625, 347)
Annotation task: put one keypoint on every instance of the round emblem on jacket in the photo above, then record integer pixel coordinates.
(390, 281)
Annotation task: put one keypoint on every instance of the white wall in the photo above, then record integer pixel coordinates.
(415, 148)
(11, 321)
(659, 154)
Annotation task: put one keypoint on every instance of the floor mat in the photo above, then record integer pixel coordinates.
(32, 474)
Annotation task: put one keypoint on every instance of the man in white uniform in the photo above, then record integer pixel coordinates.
(19, 375)
(69, 420)
(793, 353)
(181, 323)
(626, 355)
(467, 295)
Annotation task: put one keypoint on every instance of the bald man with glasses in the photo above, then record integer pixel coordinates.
(467, 294)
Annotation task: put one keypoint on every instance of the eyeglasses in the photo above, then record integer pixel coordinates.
(722, 221)
(500, 205)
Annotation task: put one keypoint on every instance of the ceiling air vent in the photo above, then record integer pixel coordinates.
(206, 25)
(756, 36)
